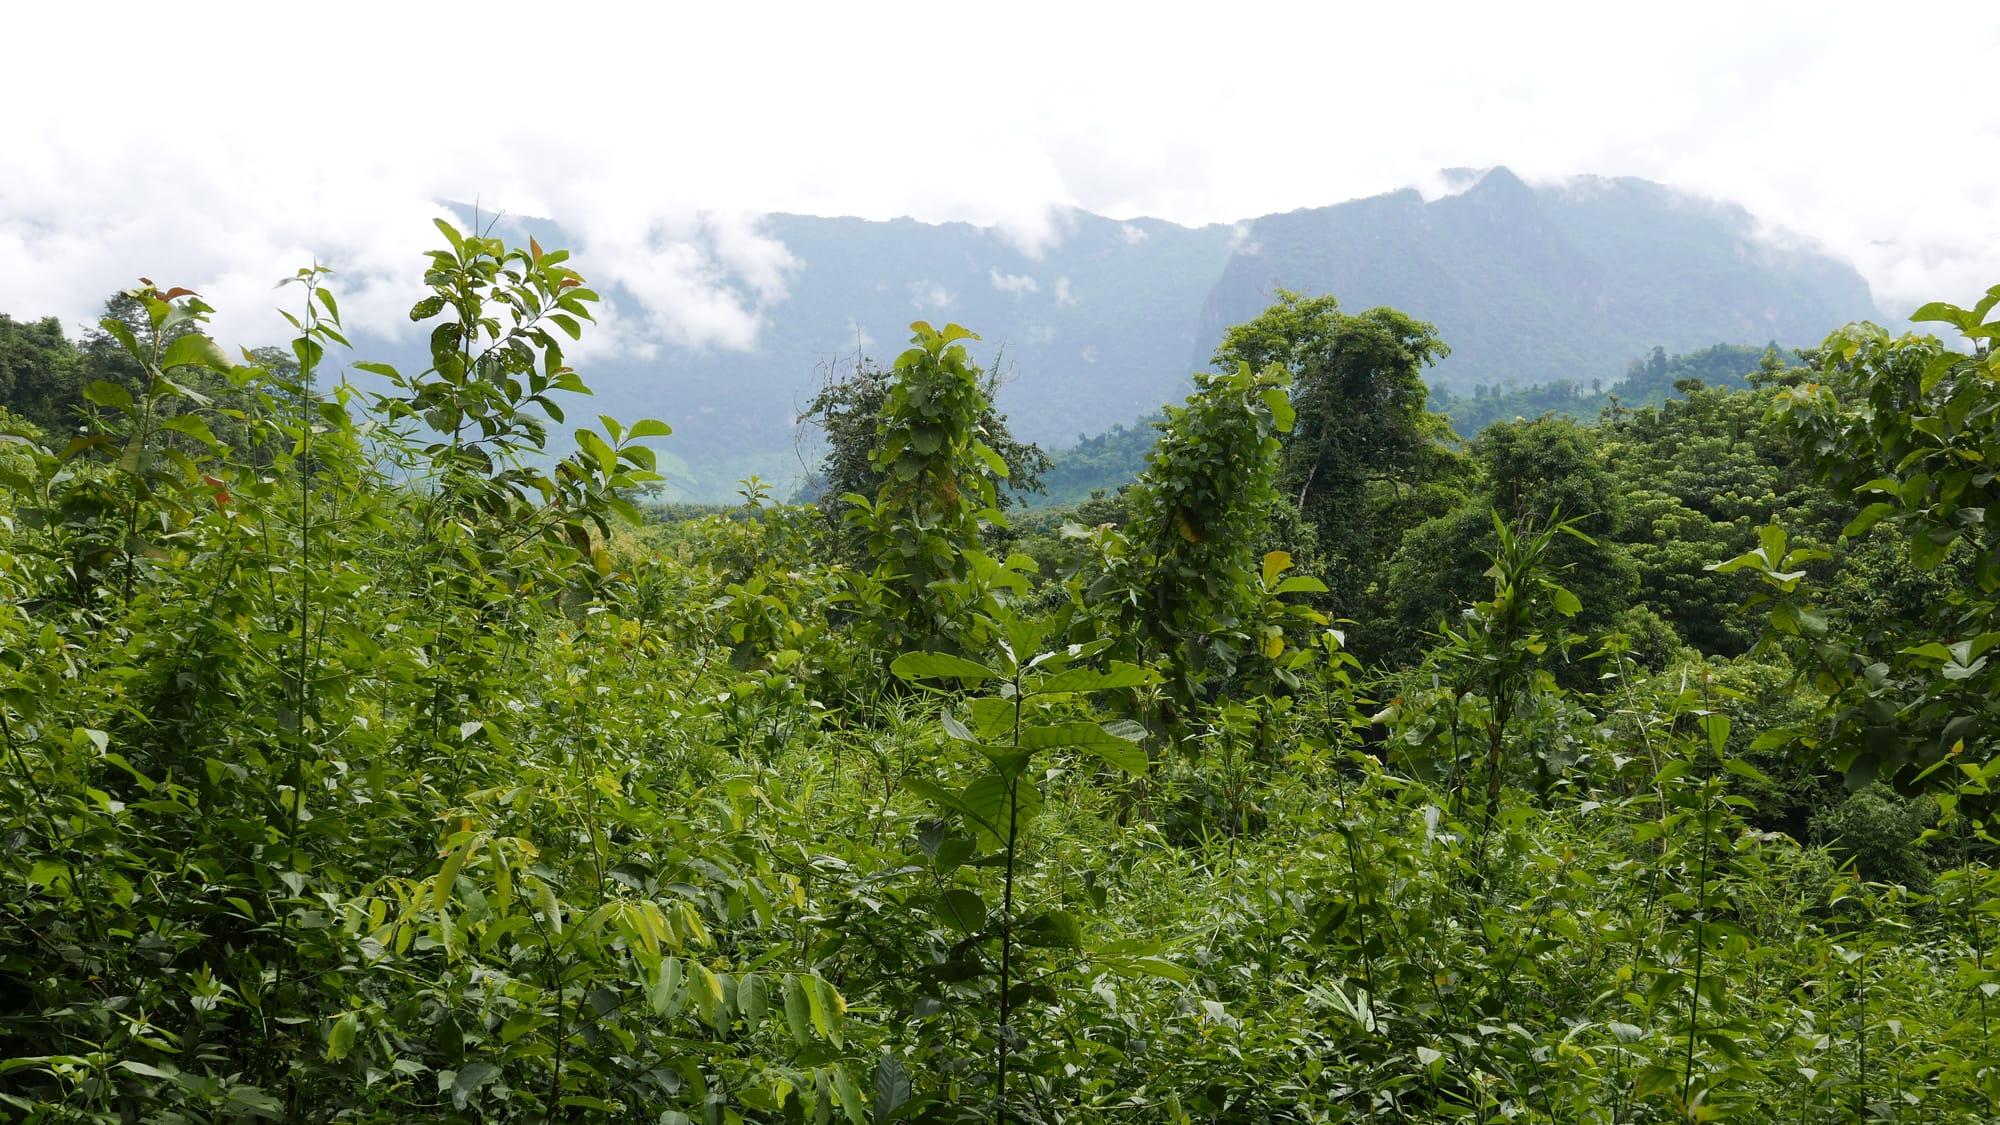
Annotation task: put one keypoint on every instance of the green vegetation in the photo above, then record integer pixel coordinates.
(368, 761)
(1647, 382)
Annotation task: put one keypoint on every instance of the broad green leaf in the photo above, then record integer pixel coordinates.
(1943, 312)
(991, 459)
(109, 394)
(146, 1069)
(1118, 675)
(193, 426)
(849, 1095)
(123, 334)
(469, 1079)
(1007, 761)
(826, 1008)
(752, 999)
(963, 910)
(892, 1086)
(939, 666)
(1131, 730)
(988, 794)
(195, 350)
(448, 876)
(1089, 738)
(1054, 929)
(993, 718)
(1566, 603)
(1869, 517)
(1157, 967)
(593, 445)
(1742, 768)
(938, 794)
(953, 727)
(340, 1038)
(798, 1010)
(1283, 415)
(666, 994)
(706, 989)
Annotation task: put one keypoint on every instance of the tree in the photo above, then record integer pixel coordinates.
(1529, 472)
(1909, 428)
(1180, 584)
(1698, 476)
(849, 412)
(935, 481)
(1365, 460)
(41, 376)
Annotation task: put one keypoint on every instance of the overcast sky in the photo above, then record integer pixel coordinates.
(222, 146)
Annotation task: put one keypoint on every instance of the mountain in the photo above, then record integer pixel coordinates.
(1527, 283)
(1532, 284)
(1093, 331)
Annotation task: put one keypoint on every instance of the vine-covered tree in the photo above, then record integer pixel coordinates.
(935, 483)
(848, 412)
(1365, 460)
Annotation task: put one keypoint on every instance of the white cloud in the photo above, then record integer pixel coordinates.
(1134, 235)
(931, 296)
(1446, 182)
(652, 133)
(1064, 296)
(1016, 283)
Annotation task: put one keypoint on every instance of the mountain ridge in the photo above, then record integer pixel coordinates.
(1528, 284)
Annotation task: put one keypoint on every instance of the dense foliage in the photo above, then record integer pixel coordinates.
(1647, 382)
(368, 760)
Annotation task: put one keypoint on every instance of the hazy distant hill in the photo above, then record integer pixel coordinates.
(1532, 284)
(1095, 331)
(1527, 284)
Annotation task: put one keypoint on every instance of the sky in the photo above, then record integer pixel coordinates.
(222, 146)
